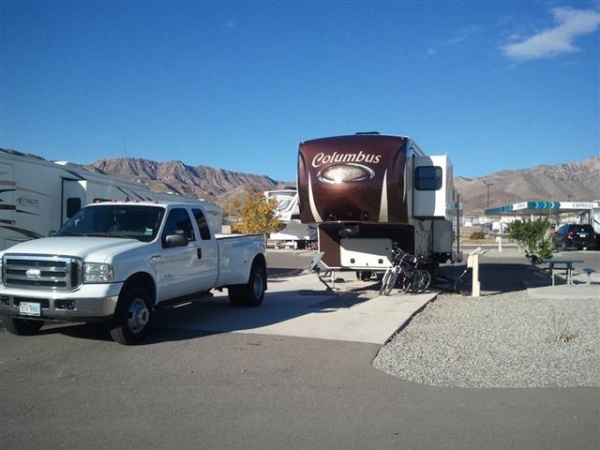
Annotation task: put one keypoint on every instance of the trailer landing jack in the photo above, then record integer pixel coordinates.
(327, 277)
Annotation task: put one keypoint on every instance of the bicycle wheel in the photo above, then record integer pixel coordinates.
(411, 281)
(393, 279)
(423, 280)
(385, 280)
(407, 278)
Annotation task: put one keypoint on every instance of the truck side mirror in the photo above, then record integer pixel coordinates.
(175, 240)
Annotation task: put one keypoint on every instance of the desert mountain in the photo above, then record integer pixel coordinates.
(575, 181)
(217, 185)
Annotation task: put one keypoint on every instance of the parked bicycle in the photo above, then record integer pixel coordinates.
(406, 271)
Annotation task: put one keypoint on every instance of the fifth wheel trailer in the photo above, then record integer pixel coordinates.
(37, 195)
(367, 191)
(295, 234)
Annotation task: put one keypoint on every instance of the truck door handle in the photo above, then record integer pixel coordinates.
(199, 253)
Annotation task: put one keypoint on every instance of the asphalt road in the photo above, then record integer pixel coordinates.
(72, 387)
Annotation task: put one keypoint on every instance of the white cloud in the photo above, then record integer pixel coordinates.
(465, 34)
(570, 24)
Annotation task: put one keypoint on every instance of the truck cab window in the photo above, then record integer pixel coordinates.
(202, 224)
(178, 222)
(428, 178)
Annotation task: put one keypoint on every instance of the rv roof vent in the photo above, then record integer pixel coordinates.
(368, 132)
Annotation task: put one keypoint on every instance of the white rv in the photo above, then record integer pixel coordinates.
(295, 234)
(37, 196)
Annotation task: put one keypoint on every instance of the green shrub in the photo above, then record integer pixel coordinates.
(477, 235)
(532, 236)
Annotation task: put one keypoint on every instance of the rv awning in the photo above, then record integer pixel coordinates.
(540, 208)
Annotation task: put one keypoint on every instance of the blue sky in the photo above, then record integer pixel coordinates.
(497, 85)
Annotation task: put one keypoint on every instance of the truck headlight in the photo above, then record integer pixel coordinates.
(97, 273)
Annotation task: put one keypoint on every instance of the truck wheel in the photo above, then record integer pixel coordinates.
(22, 327)
(251, 293)
(363, 275)
(132, 317)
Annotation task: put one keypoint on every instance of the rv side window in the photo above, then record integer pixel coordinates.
(202, 224)
(73, 205)
(428, 178)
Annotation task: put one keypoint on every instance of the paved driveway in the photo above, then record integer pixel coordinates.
(71, 387)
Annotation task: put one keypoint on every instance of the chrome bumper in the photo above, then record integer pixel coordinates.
(93, 301)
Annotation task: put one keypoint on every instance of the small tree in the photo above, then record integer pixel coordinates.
(533, 237)
(256, 214)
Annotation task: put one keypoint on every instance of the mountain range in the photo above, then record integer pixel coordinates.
(574, 181)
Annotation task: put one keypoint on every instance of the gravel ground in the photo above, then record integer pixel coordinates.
(498, 340)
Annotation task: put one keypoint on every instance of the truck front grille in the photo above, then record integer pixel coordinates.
(41, 272)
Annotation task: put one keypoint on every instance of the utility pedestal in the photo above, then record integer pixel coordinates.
(473, 263)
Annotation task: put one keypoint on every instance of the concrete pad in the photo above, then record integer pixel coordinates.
(374, 321)
(302, 306)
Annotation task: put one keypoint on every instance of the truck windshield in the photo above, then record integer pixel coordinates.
(124, 221)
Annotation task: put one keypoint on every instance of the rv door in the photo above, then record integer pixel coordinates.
(73, 198)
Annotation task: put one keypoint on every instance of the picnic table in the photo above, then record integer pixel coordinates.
(562, 265)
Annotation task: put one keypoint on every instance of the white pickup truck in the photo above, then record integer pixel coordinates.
(115, 262)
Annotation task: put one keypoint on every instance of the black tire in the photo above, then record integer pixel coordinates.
(388, 283)
(384, 282)
(421, 281)
(22, 327)
(253, 292)
(132, 317)
(393, 281)
(364, 275)
(564, 247)
(406, 280)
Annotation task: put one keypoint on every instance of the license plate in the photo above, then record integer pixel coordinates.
(30, 309)
(582, 235)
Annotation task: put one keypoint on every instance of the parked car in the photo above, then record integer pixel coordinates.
(580, 236)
